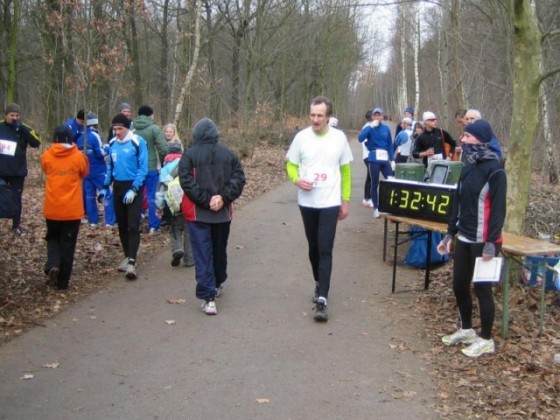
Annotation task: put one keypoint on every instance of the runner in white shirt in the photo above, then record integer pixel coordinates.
(318, 163)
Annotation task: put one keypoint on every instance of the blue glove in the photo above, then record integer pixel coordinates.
(17, 125)
(102, 195)
(106, 149)
(129, 197)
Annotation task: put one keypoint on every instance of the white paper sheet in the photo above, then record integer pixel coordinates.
(487, 270)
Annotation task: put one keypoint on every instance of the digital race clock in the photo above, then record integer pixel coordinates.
(416, 199)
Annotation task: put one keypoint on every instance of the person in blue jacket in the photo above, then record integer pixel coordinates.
(76, 124)
(381, 153)
(126, 172)
(96, 153)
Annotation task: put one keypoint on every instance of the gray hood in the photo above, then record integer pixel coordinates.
(205, 131)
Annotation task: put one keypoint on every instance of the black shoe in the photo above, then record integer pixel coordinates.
(321, 311)
(52, 277)
(176, 260)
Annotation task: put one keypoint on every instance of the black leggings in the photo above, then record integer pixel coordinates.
(465, 255)
(320, 230)
(128, 218)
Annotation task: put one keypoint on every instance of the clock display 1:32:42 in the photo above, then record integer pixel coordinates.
(420, 200)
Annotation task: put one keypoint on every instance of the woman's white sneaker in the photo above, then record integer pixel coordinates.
(460, 336)
(479, 347)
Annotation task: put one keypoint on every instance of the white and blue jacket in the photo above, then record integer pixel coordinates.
(128, 161)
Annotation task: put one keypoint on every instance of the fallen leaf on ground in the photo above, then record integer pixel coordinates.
(51, 365)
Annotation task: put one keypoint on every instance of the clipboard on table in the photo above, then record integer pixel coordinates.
(487, 270)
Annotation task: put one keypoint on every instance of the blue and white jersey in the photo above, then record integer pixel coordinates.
(95, 153)
(128, 160)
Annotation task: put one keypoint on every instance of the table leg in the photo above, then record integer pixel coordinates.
(505, 298)
(428, 260)
(385, 223)
(542, 269)
(395, 257)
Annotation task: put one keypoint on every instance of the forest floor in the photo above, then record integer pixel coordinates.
(520, 381)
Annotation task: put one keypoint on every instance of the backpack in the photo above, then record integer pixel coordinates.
(174, 195)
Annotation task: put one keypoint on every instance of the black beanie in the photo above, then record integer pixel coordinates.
(146, 110)
(120, 120)
(80, 115)
(480, 129)
(63, 134)
(174, 147)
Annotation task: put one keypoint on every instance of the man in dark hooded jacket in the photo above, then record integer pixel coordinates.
(212, 178)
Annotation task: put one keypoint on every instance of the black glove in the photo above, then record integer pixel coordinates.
(17, 125)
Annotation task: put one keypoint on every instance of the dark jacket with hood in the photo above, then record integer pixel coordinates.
(207, 169)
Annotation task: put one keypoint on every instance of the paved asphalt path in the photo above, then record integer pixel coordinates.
(261, 357)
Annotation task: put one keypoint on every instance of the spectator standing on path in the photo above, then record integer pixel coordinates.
(318, 163)
(471, 116)
(170, 133)
(379, 143)
(366, 202)
(64, 167)
(97, 153)
(125, 109)
(430, 144)
(460, 119)
(408, 113)
(212, 178)
(126, 172)
(77, 124)
(14, 139)
(478, 216)
(169, 196)
(403, 141)
(145, 127)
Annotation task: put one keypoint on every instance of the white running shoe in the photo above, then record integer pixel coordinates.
(460, 336)
(209, 308)
(479, 347)
(369, 203)
(131, 272)
(376, 214)
(123, 265)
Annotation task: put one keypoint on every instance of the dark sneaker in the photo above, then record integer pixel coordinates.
(220, 291)
(52, 277)
(176, 260)
(321, 310)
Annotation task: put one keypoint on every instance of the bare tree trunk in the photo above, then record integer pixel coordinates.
(416, 63)
(192, 68)
(11, 91)
(550, 159)
(459, 89)
(164, 61)
(443, 64)
(403, 99)
(526, 80)
(135, 53)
